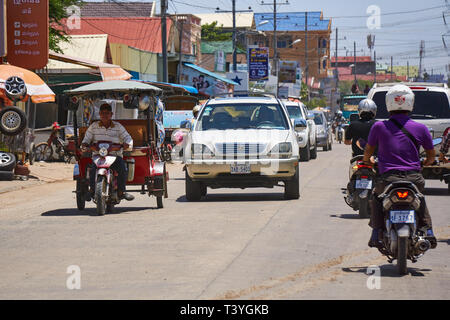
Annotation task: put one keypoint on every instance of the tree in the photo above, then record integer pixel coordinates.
(57, 30)
(211, 32)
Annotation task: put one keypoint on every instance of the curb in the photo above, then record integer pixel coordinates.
(30, 185)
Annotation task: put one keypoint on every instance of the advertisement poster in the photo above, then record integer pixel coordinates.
(258, 64)
(204, 83)
(288, 71)
(220, 61)
(27, 33)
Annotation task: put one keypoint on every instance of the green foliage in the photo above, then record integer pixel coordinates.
(57, 12)
(303, 92)
(211, 32)
(316, 103)
(345, 87)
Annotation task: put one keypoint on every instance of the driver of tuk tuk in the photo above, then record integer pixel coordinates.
(107, 130)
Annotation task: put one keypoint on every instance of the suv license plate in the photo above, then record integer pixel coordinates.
(364, 184)
(404, 216)
(240, 168)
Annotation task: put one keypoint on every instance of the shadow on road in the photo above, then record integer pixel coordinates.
(91, 211)
(436, 192)
(347, 216)
(444, 241)
(389, 270)
(233, 197)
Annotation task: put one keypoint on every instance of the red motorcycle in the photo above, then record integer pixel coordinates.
(55, 147)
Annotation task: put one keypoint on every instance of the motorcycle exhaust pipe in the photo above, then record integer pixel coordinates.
(423, 245)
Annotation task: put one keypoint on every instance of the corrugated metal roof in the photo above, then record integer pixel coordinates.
(89, 47)
(118, 9)
(209, 73)
(243, 20)
(292, 21)
(209, 47)
(140, 33)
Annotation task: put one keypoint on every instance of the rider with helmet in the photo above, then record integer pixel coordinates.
(338, 120)
(398, 140)
(358, 131)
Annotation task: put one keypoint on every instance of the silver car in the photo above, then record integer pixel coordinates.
(323, 130)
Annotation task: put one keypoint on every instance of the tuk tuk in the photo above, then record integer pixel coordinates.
(138, 102)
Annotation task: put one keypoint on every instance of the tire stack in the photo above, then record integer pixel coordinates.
(7, 166)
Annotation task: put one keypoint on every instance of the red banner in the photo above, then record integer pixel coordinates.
(27, 30)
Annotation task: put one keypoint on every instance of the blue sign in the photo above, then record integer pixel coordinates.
(258, 64)
(173, 119)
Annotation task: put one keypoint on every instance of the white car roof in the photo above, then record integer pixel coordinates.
(261, 100)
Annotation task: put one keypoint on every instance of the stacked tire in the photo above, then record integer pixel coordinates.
(7, 165)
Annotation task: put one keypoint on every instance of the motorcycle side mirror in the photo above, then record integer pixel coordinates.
(437, 141)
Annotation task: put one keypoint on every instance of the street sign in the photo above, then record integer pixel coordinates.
(241, 78)
(258, 64)
(220, 61)
(27, 33)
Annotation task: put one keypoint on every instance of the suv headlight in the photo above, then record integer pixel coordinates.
(201, 151)
(281, 151)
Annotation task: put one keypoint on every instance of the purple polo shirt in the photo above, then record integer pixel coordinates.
(395, 150)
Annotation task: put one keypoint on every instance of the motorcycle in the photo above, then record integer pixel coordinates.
(106, 188)
(340, 131)
(401, 238)
(360, 187)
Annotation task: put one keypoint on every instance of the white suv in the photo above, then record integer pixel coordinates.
(242, 143)
(431, 104)
(306, 137)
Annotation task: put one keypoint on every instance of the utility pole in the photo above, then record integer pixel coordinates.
(336, 63)
(422, 52)
(164, 38)
(375, 73)
(306, 53)
(392, 67)
(407, 70)
(275, 42)
(180, 64)
(233, 11)
(354, 59)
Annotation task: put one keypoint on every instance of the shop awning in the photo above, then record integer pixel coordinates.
(209, 73)
(108, 71)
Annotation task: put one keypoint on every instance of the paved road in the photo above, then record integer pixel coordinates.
(236, 244)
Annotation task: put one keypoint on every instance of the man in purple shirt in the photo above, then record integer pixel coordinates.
(398, 157)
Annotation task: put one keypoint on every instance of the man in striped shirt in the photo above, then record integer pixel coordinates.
(114, 132)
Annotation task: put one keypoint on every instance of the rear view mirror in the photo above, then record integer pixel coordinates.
(299, 124)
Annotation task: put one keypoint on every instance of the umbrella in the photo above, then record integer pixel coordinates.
(36, 87)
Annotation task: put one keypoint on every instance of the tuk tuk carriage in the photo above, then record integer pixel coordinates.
(145, 165)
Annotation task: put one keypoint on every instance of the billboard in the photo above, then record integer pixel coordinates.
(258, 64)
(288, 71)
(27, 33)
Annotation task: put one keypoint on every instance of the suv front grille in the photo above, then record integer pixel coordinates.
(240, 150)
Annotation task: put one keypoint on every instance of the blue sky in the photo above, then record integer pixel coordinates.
(403, 25)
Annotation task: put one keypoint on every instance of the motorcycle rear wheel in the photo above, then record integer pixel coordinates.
(364, 208)
(402, 255)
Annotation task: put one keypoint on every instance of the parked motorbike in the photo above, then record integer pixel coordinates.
(106, 188)
(360, 187)
(55, 147)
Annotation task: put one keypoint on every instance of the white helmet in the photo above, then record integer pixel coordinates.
(399, 97)
(367, 105)
(196, 109)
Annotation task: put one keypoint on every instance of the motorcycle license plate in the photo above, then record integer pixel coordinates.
(364, 184)
(238, 168)
(402, 216)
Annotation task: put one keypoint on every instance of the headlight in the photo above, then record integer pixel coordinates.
(103, 152)
(281, 151)
(201, 151)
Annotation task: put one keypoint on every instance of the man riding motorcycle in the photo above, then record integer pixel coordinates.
(337, 121)
(358, 131)
(398, 140)
(114, 132)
